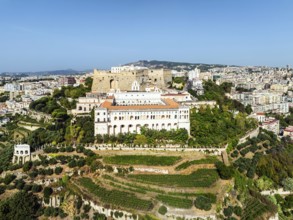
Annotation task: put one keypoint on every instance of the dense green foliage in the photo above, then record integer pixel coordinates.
(225, 172)
(47, 105)
(82, 131)
(22, 205)
(203, 203)
(199, 178)
(217, 92)
(46, 135)
(142, 160)
(4, 98)
(179, 80)
(6, 157)
(116, 197)
(147, 137)
(256, 205)
(277, 166)
(208, 160)
(71, 92)
(175, 201)
(218, 127)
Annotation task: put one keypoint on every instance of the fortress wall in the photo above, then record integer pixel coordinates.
(104, 81)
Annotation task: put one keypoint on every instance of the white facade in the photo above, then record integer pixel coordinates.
(138, 98)
(133, 114)
(86, 105)
(11, 87)
(281, 108)
(193, 74)
(263, 101)
(271, 124)
(119, 69)
(22, 153)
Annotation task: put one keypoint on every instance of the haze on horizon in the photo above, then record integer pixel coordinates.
(61, 34)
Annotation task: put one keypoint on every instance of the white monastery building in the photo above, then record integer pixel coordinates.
(129, 111)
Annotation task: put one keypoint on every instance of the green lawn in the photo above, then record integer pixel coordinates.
(199, 178)
(142, 160)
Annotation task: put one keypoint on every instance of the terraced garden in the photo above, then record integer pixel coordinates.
(147, 191)
(116, 197)
(199, 178)
(148, 160)
(208, 160)
(176, 202)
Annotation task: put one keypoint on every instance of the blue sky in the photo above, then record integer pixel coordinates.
(84, 34)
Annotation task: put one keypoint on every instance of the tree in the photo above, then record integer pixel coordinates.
(86, 208)
(288, 184)
(203, 203)
(162, 210)
(248, 109)
(58, 170)
(22, 205)
(88, 82)
(95, 165)
(27, 166)
(228, 211)
(238, 210)
(36, 188)
(47, 192)
(78, 203)
(225, 172)
(8, 179)
(2, 189)
(19, 184)
(264, 183)
(140, 140)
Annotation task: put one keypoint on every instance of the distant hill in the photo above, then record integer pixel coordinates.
(174, 65)
(42, 73)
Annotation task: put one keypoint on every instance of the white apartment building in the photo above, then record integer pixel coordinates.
(11, 87)
(129, 111)
(263, 101)
(193, 74)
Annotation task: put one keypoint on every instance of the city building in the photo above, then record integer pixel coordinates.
(67, 81)
(263, 101)
(86, 105)
(288, 131)
(271, 124)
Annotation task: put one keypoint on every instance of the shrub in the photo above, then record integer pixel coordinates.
(202, 203)
(2, 189)
(228, 211)
(58, 170)
(8, 179)
(86, 208)
(47, 192)
(27, 166)
(36, 188)
(163, 210)
(225, 172)
(237, 210)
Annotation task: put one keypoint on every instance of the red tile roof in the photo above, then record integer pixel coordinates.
(170, 104)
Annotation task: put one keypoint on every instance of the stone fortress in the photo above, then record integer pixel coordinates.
(122, 78)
